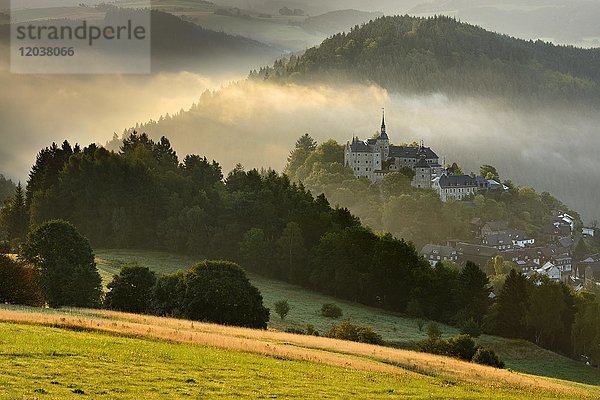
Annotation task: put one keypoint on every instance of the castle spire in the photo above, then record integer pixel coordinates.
(383, 134)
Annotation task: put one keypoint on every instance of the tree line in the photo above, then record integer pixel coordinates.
(144, 197)
(425, 55)
(56, 267)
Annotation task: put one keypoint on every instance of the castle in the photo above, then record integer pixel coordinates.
(374, 158)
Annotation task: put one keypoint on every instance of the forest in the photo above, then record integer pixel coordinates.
(415, 214)
(145, 197)
(440, 54)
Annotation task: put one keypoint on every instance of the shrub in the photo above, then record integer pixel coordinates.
(355, 333)
(169, 291)
(433, 331)
(131, 290)
(19, 283)
(310, 330)
(461, 346)
(433, 346)
(331, 310)
(219, 291)
(420, 325)
(282, 308)
(487, 357)
(471, 328)
(296, 331)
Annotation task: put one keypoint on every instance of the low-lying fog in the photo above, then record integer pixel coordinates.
(257, 124)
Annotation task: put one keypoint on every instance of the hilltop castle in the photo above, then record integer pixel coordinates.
(374, 158)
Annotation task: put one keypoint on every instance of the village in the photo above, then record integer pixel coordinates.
(556, 252)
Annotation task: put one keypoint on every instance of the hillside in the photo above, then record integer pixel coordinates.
(179, 45)
(440, 54)
(337, 21)
(530, 19)
(519, 355)
(58, 353)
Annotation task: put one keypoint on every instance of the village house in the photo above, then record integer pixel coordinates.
(557, 230)
(588, 232)
(551, 271)
(494, 227)
(507, 240)
(589, 268)
(531, 257)
(475, 253)
(435, 253)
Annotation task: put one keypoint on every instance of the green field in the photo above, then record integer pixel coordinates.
(42, 362)
(51, 360)
(518, 355)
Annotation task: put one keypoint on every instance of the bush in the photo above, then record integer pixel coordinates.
(331, 310)
(282, 308)
(19, 283)
(471, 328)
(295, 331)
(420, 325)
(355, 333)
(433, 331)
(433, 346)
(132, 290)
(462, 346)
(168, 295)
(310, 330)
(219, 291)
(487, 357)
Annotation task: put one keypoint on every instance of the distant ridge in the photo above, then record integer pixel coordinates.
(424, 55)
(338, 21)
(181, 45)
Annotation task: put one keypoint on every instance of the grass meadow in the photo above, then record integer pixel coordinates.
(305, 305)
(101, 354)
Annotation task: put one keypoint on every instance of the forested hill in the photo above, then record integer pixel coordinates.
(181, 45)
(178, 44)
(424, 55)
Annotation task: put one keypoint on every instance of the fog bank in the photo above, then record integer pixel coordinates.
(257, 124)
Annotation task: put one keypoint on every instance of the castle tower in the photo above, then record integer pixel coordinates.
(383, 141)
(423, 171)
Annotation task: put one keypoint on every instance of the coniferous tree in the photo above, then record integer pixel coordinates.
(513, 305)
(14, 217)
(7, 189)
(473, 294)
(305, 145)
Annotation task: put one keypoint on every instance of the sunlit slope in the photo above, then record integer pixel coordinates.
(108, 355)
(519, 355)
